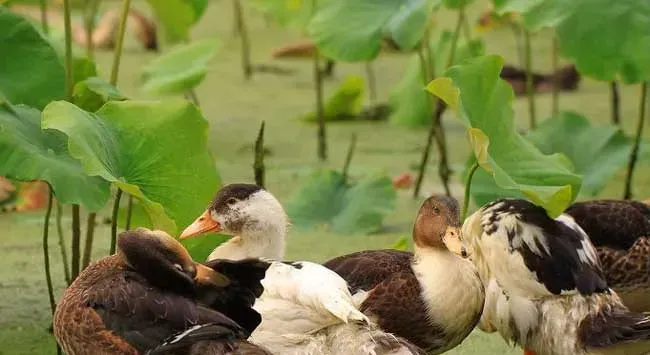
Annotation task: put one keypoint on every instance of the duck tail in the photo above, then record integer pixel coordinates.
(365, 339)
(613, 325)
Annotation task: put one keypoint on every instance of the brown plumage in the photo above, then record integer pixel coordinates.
(619, 230)
(134, 301)
(396, 297)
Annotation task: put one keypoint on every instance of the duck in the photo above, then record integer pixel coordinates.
(432, 297)
(306, 308)
(620, 231)
(144, 300)
(546, 290)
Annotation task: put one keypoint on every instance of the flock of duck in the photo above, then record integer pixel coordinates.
(576, 284)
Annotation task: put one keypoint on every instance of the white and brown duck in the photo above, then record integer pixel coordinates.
(432, 297)
(546, 288)
(305, 307)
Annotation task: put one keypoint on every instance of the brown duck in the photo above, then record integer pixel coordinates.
(145, 300)
(431, 297)
(620, 231)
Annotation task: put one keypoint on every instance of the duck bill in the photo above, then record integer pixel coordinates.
(454, 243)
(201, 225)
(208, 277)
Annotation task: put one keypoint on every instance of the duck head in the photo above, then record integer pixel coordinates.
(164, 261)
(437, 225)
(239, 209)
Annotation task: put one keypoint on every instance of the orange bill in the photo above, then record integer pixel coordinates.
(207, 276)
(201, 225)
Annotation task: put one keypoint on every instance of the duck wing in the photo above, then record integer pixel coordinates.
(531, 254)
(237, 299)
(365, 270)
(612, 223)
(396, 305)
(144, 316)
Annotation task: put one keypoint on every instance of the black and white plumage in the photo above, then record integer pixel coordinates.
(545, 287)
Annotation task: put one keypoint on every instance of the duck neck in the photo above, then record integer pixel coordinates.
(268, 242)
(451, 289)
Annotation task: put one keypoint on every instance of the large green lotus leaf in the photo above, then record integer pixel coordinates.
(30, 70)
(94, 92)
(180, 70)
(177, 16)
(28, 153)
(153, 150)
(484, 104)
(605, 39)
(412, 105)
(326, 199)
(345, 103)
(353, 30)
(597, 152)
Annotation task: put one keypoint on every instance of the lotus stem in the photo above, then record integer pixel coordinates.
(242, 28)
(468, 189)
(116, 209)
(320, 114)
(616, 103)
(46, 256)
(556, 85)
(258, 163)
(90, 233)
(44, 22)
(372, 83)
(348, 157)
(126, 6)
(191, 96)
(637, 141)
(436, 129)
(69, 74)
(92, 6)
(129, 213)
(530, 85)
(76, 241)
(62, 246)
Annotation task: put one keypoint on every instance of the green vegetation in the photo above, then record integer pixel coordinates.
(169, 155)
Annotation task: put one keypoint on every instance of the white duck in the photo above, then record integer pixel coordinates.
(545, 287)
(305, 307)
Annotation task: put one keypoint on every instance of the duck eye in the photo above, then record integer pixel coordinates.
(178, 267)
(231, 201)
(436, 209)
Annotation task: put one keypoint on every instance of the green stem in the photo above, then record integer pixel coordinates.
(637, 141)
(116, 208)
(76, 241)
(258, 163)
(556, 85)
(90, 233)
(530, 85)
(46, 256)
(348, 157)
(320, 114)
(372, 83)
(126, 6)
(468, 188)
(62, 246)
(436, 130)
(247, 66)
(44, 22)
(191, 96)
(92, 6)
(69, 75)
(616, 103)
(129, 212)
